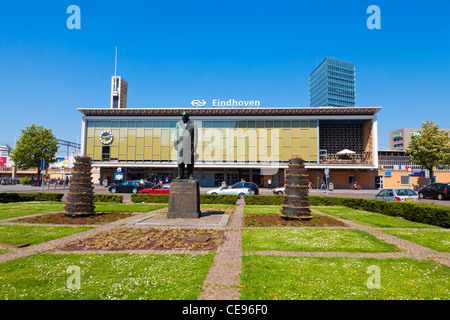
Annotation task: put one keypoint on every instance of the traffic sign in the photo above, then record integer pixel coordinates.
(410, 169)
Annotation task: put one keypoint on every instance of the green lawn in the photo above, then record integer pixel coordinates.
(265, 210)
(17, 234)
(19, 209)
(301, 278)
(438, 240)
(105, 277)
(127, 207)
(253, 209)
(322, 240)
(371, 219)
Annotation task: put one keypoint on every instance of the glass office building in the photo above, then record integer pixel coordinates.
(332, 84)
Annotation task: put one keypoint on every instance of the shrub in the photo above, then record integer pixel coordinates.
(218, 199)
(108, 198)
(150, 198)
(204, 198)
(22, 197)
(264, 200)
(25, 181)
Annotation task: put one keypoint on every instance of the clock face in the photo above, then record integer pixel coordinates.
(106, 137)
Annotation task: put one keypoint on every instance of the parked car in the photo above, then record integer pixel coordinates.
(157, 189)
(435, 190)
(239, 191)
(279, 191)
(249, 185)
(397, 194)
(128, 186)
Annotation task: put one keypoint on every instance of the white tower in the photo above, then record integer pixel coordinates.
(119, 88)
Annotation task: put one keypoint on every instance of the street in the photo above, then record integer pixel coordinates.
(263, 191)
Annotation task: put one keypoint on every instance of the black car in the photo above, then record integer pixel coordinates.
(250, 185)
(435, 190)
(129, 186)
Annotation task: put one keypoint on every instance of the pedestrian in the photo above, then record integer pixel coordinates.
(269, 182)
(323, 186)
(309, 184)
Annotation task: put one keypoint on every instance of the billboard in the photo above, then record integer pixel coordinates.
(2, 161)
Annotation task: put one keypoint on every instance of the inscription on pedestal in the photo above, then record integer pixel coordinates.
(184, 199)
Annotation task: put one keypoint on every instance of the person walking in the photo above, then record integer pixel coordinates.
(269, 182)
(323, 186)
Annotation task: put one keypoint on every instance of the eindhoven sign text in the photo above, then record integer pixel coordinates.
(227, 103)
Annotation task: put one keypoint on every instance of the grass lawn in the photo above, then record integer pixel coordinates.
(127, 207)
(17, 234)
(105, 277)
(19, 209)
(253, 209)
(321, 240)
(438, 240)
(371, 219)
(297, 278)
(265, 210)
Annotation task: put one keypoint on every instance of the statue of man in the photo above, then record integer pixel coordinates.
(185, 142)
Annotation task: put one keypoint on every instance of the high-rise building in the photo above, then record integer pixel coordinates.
(332, 84)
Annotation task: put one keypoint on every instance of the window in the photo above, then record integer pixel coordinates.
(382, 193)
(389, 193)
(405, 192)
(106, 153)
(404, 180)
(351, 179)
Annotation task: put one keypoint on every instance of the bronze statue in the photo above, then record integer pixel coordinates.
(185, 142)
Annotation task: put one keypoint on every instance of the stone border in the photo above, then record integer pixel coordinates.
(185, 222)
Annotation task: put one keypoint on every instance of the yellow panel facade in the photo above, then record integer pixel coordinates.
(218, 141)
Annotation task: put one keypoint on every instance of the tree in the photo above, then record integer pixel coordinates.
(35, 143)
(431, 148)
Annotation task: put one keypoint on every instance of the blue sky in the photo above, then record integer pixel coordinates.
(172, 52)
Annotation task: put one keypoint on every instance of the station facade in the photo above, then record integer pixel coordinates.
(233, 143)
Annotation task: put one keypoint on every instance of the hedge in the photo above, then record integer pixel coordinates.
(150, 198)
(218, 199)
(25, 181)
(108, 198)
(264, 200)
(418, 212)
(35, 196)
(204, 198)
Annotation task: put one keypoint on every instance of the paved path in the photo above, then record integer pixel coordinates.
(223, 279)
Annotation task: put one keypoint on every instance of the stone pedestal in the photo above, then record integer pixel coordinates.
(184, 199)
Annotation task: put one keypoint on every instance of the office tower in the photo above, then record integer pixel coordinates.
(332, 84)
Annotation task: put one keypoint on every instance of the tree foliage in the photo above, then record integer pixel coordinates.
(431, 148)
(35, 143)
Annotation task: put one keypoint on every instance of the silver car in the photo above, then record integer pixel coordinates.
(397, 194)
(279, 191)
(240, 192)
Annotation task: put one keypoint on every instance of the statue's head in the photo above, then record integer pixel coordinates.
(185, 116)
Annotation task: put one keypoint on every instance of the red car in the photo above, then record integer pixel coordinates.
(157, 189)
